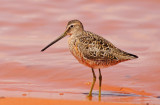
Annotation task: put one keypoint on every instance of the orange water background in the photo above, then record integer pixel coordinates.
(28, 26)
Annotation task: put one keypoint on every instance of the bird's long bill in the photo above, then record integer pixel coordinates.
(60, 37)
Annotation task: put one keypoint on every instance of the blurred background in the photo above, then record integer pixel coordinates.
(27, 26)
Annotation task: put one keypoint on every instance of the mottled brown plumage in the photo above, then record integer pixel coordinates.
(95, 51)
(92, 50)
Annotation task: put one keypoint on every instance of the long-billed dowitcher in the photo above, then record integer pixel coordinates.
(92, 50)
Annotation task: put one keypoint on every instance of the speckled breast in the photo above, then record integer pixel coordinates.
(73, 47)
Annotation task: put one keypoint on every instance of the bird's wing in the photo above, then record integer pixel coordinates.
(94, 47)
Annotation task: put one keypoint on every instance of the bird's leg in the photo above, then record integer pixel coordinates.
(94, 80)
(100, 82)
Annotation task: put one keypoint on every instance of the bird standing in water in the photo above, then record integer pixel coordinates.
(92, 50)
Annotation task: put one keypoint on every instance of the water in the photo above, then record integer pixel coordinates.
(28, 26)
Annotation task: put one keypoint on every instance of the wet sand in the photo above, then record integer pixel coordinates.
(28, 26)
(36, 101)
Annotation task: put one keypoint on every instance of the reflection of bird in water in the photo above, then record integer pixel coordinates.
(92, 50)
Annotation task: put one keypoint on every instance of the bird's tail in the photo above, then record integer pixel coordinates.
(126, 56)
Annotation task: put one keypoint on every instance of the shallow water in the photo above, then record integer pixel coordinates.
(28, 26)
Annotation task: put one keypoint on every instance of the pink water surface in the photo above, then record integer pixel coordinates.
(28, 26)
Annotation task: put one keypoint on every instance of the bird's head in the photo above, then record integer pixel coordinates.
(74, 27)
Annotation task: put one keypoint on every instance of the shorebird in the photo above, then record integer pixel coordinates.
(92, 50)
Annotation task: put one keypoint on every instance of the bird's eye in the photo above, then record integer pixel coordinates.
(71, 26)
